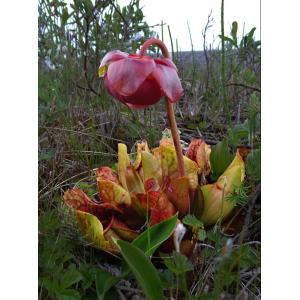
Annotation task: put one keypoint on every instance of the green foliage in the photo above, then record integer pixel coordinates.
(198, 203)
(220, 158)
(49, 222)
(246, 42)
(248, 131)
(253, 111)
(69, 44)
(149, 240)
(46, 155)
(88, 273)
(238, 134)
(229, 266)
(197, 226)
(156, 235)
(215, 236)
(143, 270)
(234, 29)
(167, 278)
(192, 221)
(89, 189)
(178, 263)
(60, 275)
(249, 76)
(201, 235)
(61, 293)
(104, 282)
(71, 277)
(239, 195)
(253, 164)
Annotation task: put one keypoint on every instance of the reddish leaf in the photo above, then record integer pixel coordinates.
(192, 171)
(151, 185)
(111, 192)
(152, 175)
(168, 160)
(92, 228)
(140, 148)
(133, 181)
(162, 209)
(191, 151)
(78, 200)
(169, 164)
(106, 173)
(178, 194)
(199, 152)
(122, 230)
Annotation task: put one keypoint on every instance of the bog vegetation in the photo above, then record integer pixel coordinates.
(80, 127)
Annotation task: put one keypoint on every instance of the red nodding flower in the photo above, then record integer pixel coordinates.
(138, 80)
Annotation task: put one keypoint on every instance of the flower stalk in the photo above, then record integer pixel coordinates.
(169, 105)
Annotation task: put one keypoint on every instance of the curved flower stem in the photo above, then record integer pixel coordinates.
(157, 43)
(170, 108)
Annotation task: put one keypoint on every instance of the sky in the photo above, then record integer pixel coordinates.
(176, 13)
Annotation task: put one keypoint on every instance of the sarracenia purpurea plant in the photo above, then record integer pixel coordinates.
(160, 182)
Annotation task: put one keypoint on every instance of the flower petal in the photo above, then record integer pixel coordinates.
(137, 106)
(108, 58)
(113, 92)
(147, 94)
(169, 82)
(166, 62)
(126, 75)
